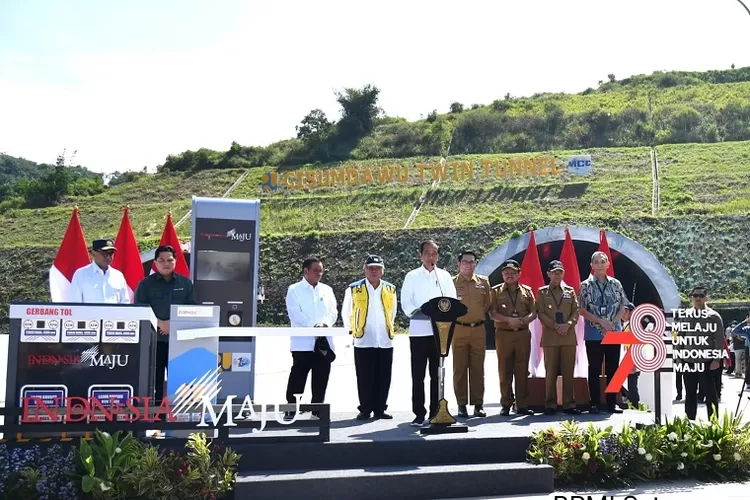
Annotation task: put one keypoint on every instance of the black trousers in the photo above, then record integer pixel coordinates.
(706, 382)
(716, 375)
(679, 378)
(633, 394)
(373, 366)
(610, 355)
(423, 351)
(162, 358)
(302, 363)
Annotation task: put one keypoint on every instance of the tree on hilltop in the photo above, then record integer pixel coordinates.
(359, 110)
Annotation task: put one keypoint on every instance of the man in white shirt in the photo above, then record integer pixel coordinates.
(420, 286)
(369, 312)
(99, 283)
(310, 303)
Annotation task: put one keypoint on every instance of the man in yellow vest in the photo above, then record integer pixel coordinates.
(368, 311)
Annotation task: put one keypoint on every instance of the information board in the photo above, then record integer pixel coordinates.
(58, 351)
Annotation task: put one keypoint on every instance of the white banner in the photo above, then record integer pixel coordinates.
(580, 164)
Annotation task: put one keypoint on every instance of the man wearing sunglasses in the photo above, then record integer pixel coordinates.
(704, 322)
(99, 283)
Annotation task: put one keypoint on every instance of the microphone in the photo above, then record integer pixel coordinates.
(437, 279)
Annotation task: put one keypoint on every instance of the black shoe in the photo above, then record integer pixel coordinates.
(505, 411)
(383, 416)
(594, 409)
(289, 415)
(524, 411)
(614, 409)
(479, 411)
(678, 398)
(417, 422)
(363, 416)
(549, 411)
(572, 411)
(462, 411)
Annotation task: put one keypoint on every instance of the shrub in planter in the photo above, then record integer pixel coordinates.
(116, 466)
(35, 473)
(718, 450)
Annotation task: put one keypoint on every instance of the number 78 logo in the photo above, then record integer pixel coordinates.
(639, 338)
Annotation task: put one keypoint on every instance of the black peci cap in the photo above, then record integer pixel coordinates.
(510, 264)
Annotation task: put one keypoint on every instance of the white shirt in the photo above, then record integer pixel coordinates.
(91, 285)
(376, 331)
(307, 306)
(420, 286)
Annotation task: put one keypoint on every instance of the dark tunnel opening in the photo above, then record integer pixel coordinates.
(638, 286)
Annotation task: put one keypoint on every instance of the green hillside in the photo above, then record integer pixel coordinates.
(644, 110)
(699, 232)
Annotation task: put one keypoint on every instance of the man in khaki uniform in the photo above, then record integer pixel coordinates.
(469, 337)
(558, 311)
(513, 309)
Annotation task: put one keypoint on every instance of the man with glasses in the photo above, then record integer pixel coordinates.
(602, 304)
(160, 290)
(470, 338)
(99, 283)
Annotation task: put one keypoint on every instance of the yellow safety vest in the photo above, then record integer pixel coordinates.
(627, 329)
(361, 301)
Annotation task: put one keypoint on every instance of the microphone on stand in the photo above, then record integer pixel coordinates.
(437, 280)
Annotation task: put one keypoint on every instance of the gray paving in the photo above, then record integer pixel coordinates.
(663, 490)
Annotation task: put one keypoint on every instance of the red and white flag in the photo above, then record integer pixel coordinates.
(72, 255)
(169, 237)
(531, 275)
(572, 278)
(127, 258)
(604, 247)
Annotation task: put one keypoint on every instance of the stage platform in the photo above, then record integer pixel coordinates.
(345, 428)
(381, 458)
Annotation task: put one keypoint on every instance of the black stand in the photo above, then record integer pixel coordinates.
(739, 396)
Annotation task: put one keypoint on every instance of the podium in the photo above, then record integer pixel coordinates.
(193, 368)
(443, 313)
(197, 369)
(97, 352)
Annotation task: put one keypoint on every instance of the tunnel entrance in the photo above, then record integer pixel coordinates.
(638, 287)
(644, 279)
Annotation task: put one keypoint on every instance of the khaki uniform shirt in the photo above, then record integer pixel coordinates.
(518, 303)
(474, 293)
(553, 300)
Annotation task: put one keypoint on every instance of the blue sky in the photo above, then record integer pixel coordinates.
(127, 83)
